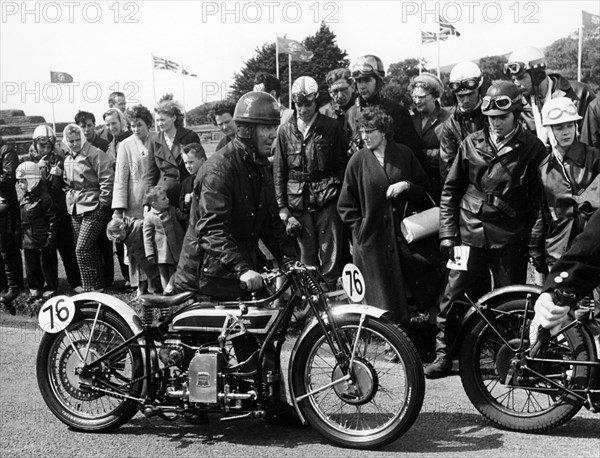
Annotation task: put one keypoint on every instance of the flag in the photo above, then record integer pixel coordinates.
(185, 72)
(164, 64)
(295, 49)
(428, 37)
(60, 77)
(447, 29)
(590, 20)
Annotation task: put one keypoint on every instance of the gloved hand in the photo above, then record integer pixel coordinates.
(293, 227)
(252, 280)
(447, 247)
(548, 315)
(538, 259)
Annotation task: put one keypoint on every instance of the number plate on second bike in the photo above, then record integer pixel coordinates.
(56, 314)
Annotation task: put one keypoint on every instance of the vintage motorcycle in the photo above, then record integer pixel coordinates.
(525, 389)
(187, 356)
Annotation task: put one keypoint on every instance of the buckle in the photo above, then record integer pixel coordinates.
(489, 199)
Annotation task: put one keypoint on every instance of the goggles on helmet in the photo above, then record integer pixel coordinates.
(517, 68)
(362, 70)
(42, 140)
(303, 100)
(500, 102)
(470, 84)
(556, 113)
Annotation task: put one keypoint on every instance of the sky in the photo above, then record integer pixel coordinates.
(107, 45)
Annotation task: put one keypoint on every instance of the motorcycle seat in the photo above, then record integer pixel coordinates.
(162, 302)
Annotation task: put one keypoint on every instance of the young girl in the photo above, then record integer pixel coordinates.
(129, 231)
(163, 233)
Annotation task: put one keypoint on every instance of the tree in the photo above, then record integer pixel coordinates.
(201, 114)
(327, 56)
(398, 79)
(561, 57)
(492, 69)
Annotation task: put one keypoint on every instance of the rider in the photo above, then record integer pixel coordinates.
(237, 206)
(576, 273)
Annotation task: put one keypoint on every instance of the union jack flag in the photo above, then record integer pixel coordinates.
(428, 37)
(164, 64)
(447, 29)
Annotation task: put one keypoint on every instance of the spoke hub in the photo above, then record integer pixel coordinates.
(361, 388)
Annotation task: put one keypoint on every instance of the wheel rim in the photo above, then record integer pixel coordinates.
(65, 363)
(534, 396)
(380, 391)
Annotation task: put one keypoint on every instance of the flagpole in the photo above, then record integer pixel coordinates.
(290, 81)
(277, 56)
(421, 53)
(438, 49)
(579, 52)
(154, 91)
(52, 103)
(183, 95)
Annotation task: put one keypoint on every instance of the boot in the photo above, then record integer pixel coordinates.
(9, 296)
(441, 367)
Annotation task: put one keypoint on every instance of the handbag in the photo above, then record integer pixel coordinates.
(419, 226)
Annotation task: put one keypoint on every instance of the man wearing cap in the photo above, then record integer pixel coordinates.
(368, 73)
(465, 82)
(527, 68)
(428, 118)
(308, 168)
(10, 227)
(490, 201)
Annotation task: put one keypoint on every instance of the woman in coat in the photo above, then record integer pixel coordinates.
(89, 174)
(383, 182)
(565, 174)
(164, 165)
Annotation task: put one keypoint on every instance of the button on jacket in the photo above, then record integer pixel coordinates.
(308, 172)
(89, 177)
(492, 199)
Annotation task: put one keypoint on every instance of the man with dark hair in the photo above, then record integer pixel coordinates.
(341, 90)
(265, 82)
(87, 121)
(222, 114)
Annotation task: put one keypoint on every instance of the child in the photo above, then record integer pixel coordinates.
(163, 234)
(193, 157)
(129, 231)
(39, 225)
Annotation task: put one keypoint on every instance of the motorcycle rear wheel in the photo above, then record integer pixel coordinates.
(535, 405)
(386, 397)
(59, 357)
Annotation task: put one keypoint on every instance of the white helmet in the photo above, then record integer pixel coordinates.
(465, 78)
(523, 59)
(30, 172)
(44, 131)
(558, 111)
(305, 88)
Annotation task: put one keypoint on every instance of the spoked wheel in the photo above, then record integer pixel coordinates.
(384, 397)
(88, 400)
(527, 402)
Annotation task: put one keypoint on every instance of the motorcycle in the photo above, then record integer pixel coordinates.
(522, 388)
(99, 363)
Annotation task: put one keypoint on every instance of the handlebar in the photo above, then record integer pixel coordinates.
(287, 268)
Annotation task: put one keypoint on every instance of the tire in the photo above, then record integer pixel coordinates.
(534, 405)
(391, 393)
(80, 408)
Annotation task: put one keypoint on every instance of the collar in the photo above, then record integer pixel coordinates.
(304, 127)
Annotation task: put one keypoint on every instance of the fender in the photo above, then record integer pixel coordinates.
(489, 300)
(337, 310)
(118, 306)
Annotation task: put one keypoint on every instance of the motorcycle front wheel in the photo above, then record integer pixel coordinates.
(386, 392)
(93, 400)
(527, 403)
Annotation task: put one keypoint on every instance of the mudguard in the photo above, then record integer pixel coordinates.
(337, 310)
(121, 308)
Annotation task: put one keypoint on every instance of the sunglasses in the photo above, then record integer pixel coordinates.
(556, 113)
(470, 84)
(501, 102)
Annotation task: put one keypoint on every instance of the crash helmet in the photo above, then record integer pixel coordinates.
(501, 97)
(558, 111)
(305, 89)
(525, 59)
(465, 77)
(256, 108)
(368, 65)
(44, 133)
(30, 172)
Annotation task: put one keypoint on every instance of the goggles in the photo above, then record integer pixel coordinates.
(518, 68)
(501, 102)
(556, 113)
(42, 140)
(303, 100)
(362, 70)
(469, 84)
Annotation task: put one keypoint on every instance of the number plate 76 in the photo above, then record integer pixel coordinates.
(56, 314)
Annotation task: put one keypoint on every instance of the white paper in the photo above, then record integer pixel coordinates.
(461, 257)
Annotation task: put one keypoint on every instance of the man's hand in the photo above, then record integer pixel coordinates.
(394, 190)
(538, 259)
(548, 315)
(252, 280)
(293, 227)
(151, 260)
(447, 248)
(188, 198)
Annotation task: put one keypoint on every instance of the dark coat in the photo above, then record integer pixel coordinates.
(590, 129)
(563, 218)
(9, 161)
(386, 261)
(236, 208)
(165, 166)
(492, 199)
(39, 223)
(308, 172)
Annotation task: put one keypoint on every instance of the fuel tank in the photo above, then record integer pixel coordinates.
(256, 320)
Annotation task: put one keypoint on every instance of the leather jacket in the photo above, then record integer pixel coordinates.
(308, 172)
(491, 199)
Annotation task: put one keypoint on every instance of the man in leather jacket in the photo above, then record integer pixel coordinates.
(236, 204)
(490, 201)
